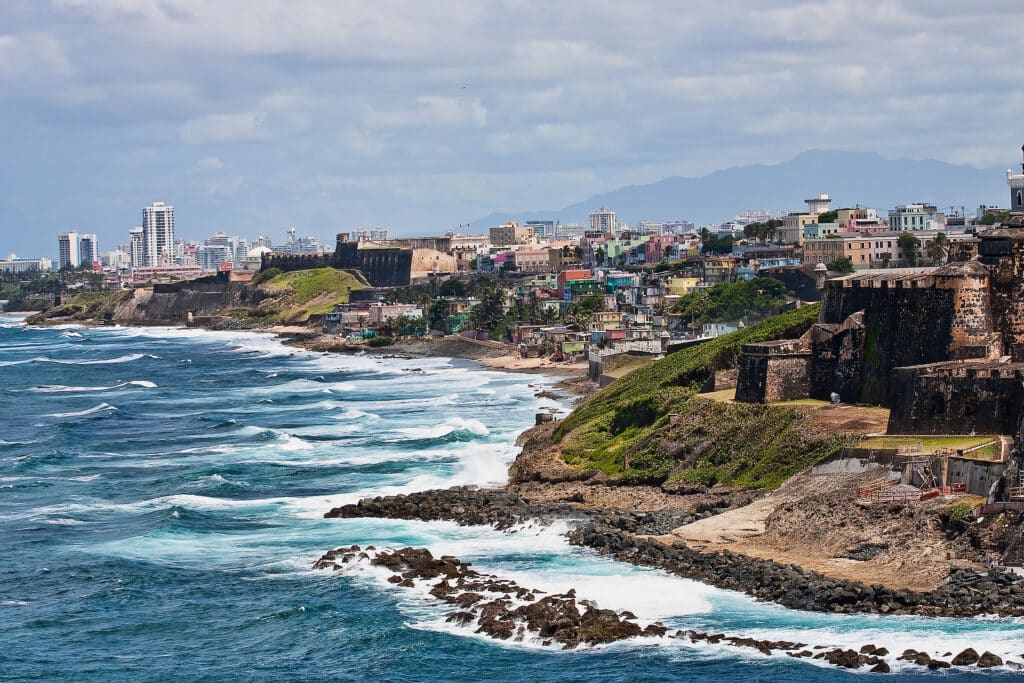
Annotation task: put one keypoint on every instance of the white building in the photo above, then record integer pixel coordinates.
(818, 204)
(116, 260)
(157, 234)
(603, 221)
(88, 250)
(1016, 183)
(69, 255)
(13, 264)
(135, 254)
(916, 217)
(210, 256)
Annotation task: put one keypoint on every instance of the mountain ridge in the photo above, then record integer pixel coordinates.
(850, 178)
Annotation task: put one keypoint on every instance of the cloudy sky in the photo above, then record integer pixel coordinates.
(254, 115)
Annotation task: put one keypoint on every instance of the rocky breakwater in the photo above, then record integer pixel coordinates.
(965, 592)
(497, 607)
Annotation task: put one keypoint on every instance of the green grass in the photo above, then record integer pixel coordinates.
(90, 305)
(293, 293)
(689, 367)
(651, 427)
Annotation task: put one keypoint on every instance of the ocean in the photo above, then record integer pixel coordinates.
(161, 503)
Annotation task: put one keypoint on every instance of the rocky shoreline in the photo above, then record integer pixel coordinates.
(626, 536)
(502, 609)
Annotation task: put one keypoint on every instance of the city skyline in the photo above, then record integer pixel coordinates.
(343, 115)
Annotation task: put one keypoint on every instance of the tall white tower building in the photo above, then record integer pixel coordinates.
(157, 234)
(602, 220)
(88, 250)
(67, 248)
(136, 256)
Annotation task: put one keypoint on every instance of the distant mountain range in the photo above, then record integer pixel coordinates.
(850, 178)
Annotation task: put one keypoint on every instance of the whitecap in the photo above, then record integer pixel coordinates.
(95, 409)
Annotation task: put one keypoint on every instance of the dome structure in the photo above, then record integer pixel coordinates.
(258, 252)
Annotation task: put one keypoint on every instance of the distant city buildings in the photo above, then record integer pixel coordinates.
(157, 235)
(13, 264)
(299, 245)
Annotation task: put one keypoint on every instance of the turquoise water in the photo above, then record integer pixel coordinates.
(161, 502)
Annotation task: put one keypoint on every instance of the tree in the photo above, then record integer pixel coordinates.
(729, 301)
(828, 217)
(885, 259)
(452, 287)
(486, 315)
(437, 315)
(911, 247)
(938, 248)
(841, 265)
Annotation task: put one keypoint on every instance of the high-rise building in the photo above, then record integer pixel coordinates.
(157, 234)
(88, 250)
(210, 256)
(602, 221)
(69, 255)
(136, 256)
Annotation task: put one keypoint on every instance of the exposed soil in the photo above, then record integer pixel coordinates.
(817, 523)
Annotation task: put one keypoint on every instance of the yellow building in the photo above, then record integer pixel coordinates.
(857, 248)
(681, 286)
(792, 230)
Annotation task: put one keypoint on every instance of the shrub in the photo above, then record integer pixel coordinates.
(265, 275)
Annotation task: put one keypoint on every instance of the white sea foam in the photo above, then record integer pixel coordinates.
(451, 425)
(62, 389)
(128, 358)
(90, 411)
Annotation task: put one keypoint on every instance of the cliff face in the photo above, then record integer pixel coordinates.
(171, 304)
(285, 298)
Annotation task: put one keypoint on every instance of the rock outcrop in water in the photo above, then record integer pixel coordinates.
(502, 609)
(498, 607)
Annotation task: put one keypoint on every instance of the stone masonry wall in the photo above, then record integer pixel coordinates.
(905, 325)
(987, 399)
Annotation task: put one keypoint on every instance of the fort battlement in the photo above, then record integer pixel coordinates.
(920, 340)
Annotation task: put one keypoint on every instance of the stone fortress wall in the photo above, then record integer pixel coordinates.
(943, 347)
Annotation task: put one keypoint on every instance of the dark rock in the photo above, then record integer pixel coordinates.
(880, 668)
(989, 659)
(966, 658)
(845, 658)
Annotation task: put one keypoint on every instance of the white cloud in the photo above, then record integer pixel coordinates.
(32, 55)
(433, 110)
(217, 128)
(206, 164)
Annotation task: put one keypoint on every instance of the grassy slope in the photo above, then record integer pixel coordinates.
(89, 305)
(627, 431)
(689, 367)
(297, 295)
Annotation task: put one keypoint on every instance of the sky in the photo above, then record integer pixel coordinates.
(250, 116)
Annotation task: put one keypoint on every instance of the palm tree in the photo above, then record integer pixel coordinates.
(938, 248)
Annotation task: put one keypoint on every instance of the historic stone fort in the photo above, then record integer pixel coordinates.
(942, 347)
(384, 263)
